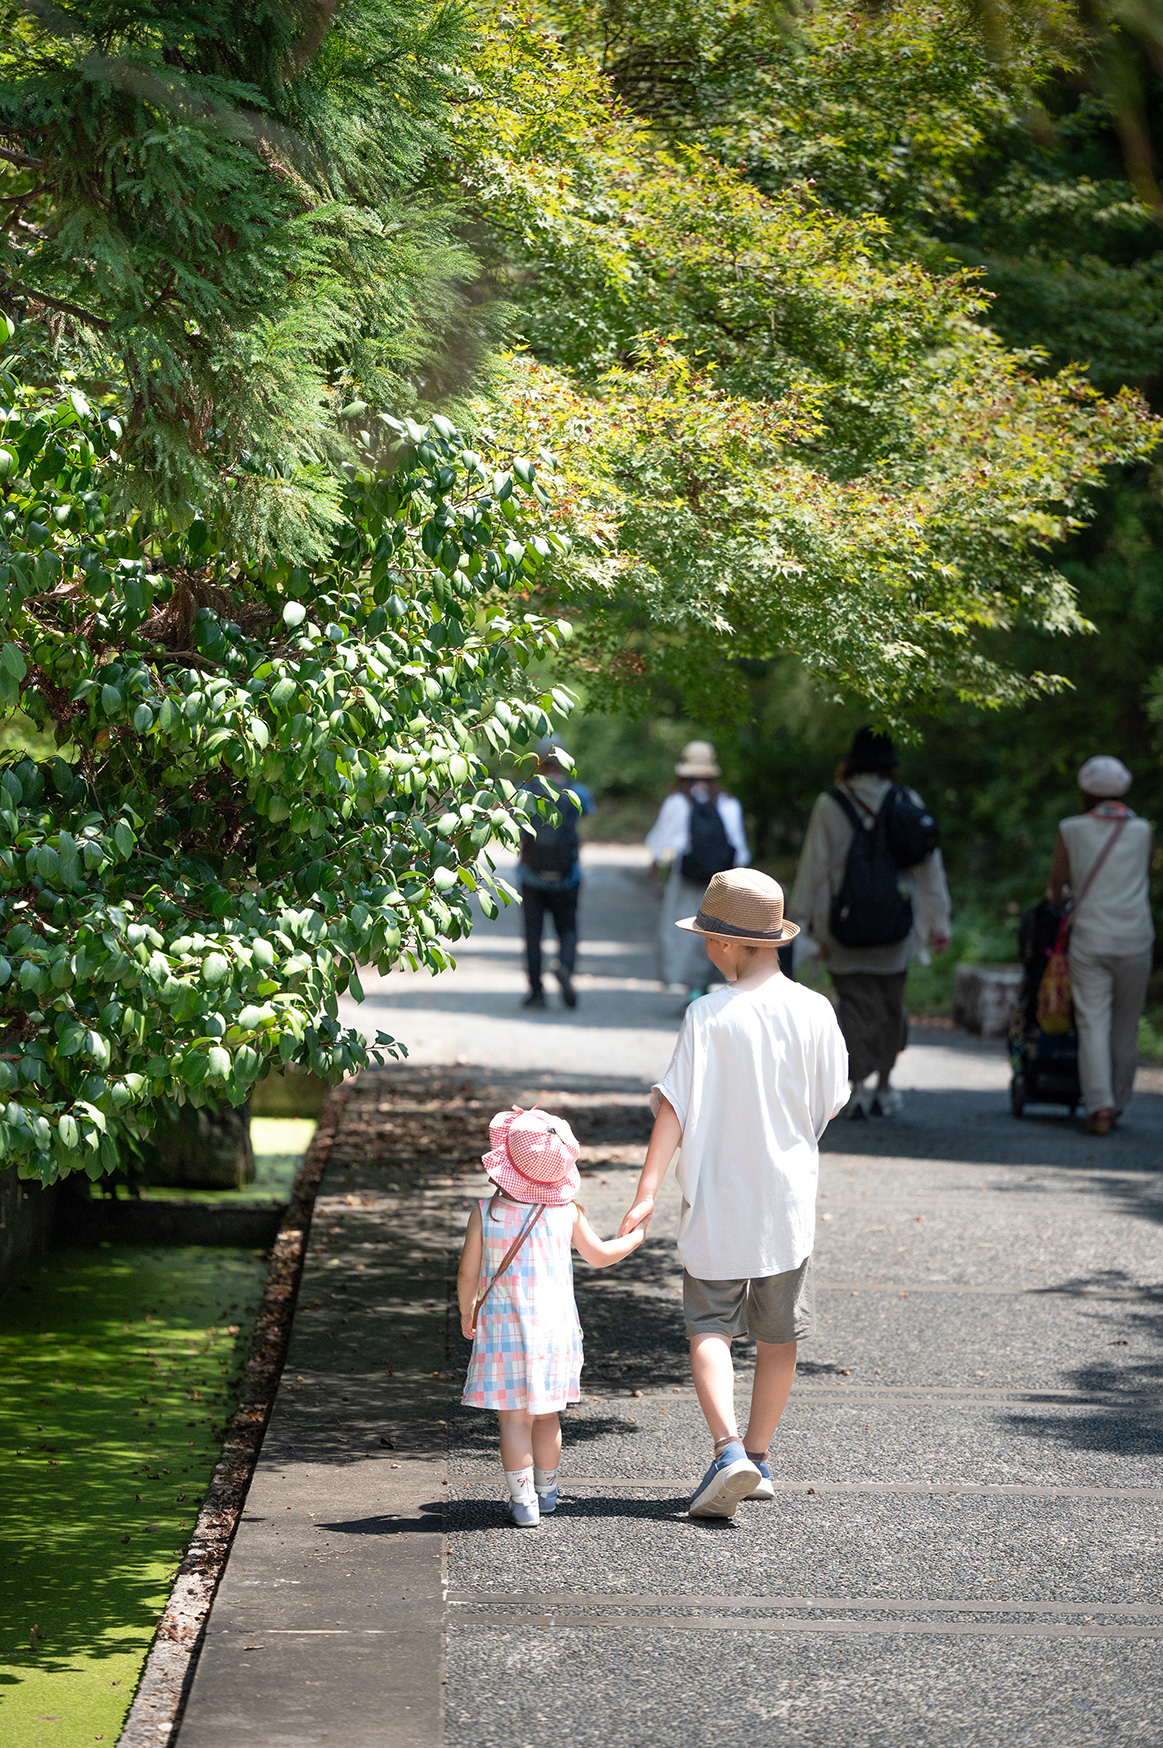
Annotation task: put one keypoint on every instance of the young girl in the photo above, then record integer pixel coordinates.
(515, 1287)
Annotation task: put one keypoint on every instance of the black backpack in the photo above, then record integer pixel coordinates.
(709, 851)
(552, 850)
(870, 910)
(912, 830)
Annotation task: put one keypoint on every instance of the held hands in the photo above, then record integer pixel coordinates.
(638, 1217)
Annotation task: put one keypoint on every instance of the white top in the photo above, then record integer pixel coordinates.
(1115, 915)
(755, 1078)
(671, 831)
(820, 876)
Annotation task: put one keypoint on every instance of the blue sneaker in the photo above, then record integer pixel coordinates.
(730, 1478)
(524, 1516)
(547, 1501)
(764, 1487)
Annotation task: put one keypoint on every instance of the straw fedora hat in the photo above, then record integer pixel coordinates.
(743, 905)
(698, 760)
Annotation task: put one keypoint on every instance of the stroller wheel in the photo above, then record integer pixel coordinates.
(1018, 1094)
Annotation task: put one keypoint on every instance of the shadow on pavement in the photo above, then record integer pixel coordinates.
(390, 1525)
(1134, 1426)
(976, 1127)
(468, 1515)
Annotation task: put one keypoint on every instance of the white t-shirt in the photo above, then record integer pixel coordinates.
(756, 1077)
(1115, 915)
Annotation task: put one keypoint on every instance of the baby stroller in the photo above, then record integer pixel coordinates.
(1045, 1064)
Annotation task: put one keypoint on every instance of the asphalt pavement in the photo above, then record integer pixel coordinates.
(963, 1548)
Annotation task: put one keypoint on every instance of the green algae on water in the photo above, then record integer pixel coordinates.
(120, 1370)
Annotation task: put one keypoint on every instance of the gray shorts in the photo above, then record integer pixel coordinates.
(773, 1308)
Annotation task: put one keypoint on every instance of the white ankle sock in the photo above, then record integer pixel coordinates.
(543, 1479)
(521, 1485)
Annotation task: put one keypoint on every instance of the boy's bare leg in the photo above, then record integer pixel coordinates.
(775, 1368)
(714, 1377)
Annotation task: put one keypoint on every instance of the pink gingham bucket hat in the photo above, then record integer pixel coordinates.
(533, 1157)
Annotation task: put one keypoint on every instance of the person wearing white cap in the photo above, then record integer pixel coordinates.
(1102, 860)
(699, 833)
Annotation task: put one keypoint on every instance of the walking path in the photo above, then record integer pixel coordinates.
(963, 1549)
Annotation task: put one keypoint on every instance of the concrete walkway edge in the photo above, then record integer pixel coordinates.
(155, 1714)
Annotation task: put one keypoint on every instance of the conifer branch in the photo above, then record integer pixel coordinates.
(57, 303)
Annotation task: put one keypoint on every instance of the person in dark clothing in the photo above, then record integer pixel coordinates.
(549, 874)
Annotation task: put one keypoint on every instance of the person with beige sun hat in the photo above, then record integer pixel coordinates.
(759, 1070)
(698, 833)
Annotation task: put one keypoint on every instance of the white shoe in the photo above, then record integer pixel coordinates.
(888, 1103)
(859, 1105)
(764, 1488)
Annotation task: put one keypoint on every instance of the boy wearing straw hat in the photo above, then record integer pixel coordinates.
(758, 1072)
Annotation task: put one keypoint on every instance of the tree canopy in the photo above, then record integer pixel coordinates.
(801, 438)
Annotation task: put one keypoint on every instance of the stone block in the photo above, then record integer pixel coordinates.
(984, 997)
(205, 1149)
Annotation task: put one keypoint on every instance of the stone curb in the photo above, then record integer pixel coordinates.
(156, 1712)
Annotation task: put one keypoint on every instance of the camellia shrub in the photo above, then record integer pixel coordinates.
(264, 776)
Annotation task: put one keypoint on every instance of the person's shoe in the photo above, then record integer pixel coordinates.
(568, 992)
(547, 1501)
(888, 1103)
(859, 1106)
(764, 1488)
(1099, 1123)
(524, 1516)
(535, 999)
(730, 1478)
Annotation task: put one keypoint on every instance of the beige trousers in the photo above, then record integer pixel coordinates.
(1109, 991)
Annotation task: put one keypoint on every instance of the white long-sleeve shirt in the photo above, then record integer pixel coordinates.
(821, 874)
(671, 832)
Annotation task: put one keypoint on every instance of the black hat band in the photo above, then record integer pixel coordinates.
(716, 926)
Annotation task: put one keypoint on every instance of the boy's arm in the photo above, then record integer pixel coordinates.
(601, 1252)
(469, 1272)
(664, 1141)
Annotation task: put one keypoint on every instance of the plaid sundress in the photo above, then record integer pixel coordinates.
(528, 1348)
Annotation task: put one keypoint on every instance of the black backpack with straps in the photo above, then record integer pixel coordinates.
(870, 910)
(710, 851)
(910, 827)
(552, 850)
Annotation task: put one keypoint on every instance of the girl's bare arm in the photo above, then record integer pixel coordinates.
(469, 1272)
(664, 1142)
(601, 1252)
